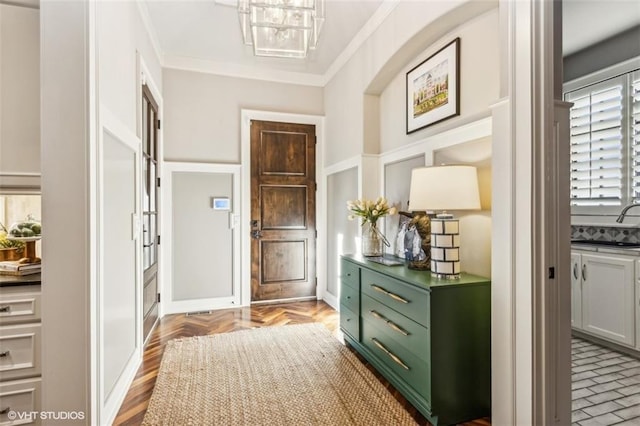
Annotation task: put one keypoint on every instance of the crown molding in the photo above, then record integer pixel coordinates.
(360, 38)
(143, 10)
(241, 71)
(30, 4)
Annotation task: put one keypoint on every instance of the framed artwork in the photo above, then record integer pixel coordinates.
(433, 88)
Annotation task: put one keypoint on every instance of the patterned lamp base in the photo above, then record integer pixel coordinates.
(445, 247)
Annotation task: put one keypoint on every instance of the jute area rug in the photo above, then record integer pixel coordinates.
(291, 375)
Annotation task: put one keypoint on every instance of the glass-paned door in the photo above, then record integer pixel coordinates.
(150, 240)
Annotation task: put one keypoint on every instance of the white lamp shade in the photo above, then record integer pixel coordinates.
(444, 188)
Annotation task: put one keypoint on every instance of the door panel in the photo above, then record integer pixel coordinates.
(607, 294)
(283, 197)
(119, 266)
(201, 239)
(283, 261)
(283, 153)
(284, 207)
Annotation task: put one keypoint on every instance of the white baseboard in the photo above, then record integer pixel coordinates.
(114, 401)
(331, 301)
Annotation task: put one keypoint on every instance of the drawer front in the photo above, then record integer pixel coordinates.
(404, 331)
(350, 297)
(19, 306)
(21, 397)
(399, 296)
(19, 351)
(412, 369)
(349, 273)
(350, 322)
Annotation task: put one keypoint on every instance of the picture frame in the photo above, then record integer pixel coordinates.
(433, 88)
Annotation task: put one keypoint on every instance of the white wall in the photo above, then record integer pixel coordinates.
(202, 112)
(121, 35)
(89, 85)
(475, 226)
(66, 209)
(122, 43)
(362, 105)
(201, 236)
(397, 180)
(384, 58)
(479, 82)
(341, 187)
(19, 89)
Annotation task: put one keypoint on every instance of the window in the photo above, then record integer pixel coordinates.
(634, 117)
(605, 143)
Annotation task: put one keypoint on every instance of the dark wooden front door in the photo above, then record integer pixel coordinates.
(283, 211)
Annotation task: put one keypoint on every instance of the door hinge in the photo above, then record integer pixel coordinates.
(158, 240)
(552, 272)
(316, 233)
(316, 281)
(158, 182)
(158, 298)
(158, 124)
(316, 185)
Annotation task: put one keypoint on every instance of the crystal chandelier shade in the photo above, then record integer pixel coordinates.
(281, 28)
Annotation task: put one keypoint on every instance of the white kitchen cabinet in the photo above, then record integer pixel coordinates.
(20, 352)
(603, 296)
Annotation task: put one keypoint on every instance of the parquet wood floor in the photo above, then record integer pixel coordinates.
(221, 321)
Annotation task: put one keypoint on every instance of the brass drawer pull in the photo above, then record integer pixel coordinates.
(5, 308)
(390, 323)
(4, 354)
(388, 293)
(390, 354)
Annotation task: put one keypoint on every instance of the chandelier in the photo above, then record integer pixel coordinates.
(281, 28)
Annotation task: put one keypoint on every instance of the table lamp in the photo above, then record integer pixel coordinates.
(442, 188)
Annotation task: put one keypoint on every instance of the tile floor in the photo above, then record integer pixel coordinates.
(605, 386)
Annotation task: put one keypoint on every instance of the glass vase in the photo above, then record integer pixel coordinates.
(371, 240)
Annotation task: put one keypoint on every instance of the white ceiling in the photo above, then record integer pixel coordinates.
(194, 30)
(586, 22)
(205, 35)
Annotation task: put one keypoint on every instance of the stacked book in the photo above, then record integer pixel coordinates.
(14, 267)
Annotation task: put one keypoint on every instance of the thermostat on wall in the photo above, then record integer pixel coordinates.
(221, 203)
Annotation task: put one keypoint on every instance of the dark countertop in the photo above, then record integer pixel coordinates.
(605, 249)
(10, 280)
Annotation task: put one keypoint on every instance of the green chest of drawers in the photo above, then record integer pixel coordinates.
(430, 338)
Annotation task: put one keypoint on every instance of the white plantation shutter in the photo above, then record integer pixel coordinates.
(634, 133)
(597, 155)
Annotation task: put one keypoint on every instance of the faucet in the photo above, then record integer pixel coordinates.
(625, 210)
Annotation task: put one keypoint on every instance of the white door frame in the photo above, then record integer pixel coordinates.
(145, 78)
(530, 371)
(171, 306)
(246, 115)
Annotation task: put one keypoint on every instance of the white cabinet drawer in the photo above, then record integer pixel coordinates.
(19, 304)
(19, 351)
(19, 399)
